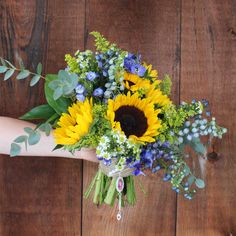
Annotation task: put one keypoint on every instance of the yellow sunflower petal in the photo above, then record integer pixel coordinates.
(75, 124)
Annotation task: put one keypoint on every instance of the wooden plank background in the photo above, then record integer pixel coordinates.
(193, 41)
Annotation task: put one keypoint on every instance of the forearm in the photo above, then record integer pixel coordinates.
(11, 128)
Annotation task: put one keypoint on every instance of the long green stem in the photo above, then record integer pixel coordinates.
(90, 187)
(98, 187)
(131, 195)
(111, 193)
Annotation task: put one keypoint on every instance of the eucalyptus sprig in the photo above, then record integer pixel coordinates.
(8, 70)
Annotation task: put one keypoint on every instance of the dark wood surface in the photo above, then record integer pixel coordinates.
(193, 41)
(208, 70)
(39, 196)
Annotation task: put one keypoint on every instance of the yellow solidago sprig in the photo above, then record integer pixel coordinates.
(135, 117)
(72, 126)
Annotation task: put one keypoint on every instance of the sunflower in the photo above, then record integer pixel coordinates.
(133, 82)
(75, 124)
(152, 73)
(135, 117)
(155, 95)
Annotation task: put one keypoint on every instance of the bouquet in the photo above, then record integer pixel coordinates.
(114, 102)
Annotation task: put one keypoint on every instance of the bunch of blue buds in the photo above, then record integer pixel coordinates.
(111, 62)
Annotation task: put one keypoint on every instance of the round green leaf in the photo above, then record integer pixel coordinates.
(20, 139)
(15, 150)
(34, 138)
(200, 183)
(60, 105)
(58, 93)
(28, 130)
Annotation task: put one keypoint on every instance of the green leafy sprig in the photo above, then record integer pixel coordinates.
(8, 70)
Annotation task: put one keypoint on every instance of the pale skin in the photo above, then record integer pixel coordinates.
(11, 128)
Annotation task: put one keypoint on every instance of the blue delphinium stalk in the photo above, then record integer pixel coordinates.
(133, 65)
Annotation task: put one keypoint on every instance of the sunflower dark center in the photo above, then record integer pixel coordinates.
(132, 120)
(131, 83)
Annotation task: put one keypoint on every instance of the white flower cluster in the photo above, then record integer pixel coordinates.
(116, 146)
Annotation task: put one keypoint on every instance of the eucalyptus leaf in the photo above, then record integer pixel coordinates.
(197, 146)
(23, 74)
(40, 112)
(54, 84)
(15, 150)
(34, 138)
(46, 127)
(35, 80)
(28, 130)
(3, 69)
(58, 93)
(191, 179)
(63, 75)
(61, 104)
(8, 74)
(200, 183)
(186, 170)
(39, 68)
(20, 139)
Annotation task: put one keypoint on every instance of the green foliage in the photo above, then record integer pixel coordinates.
(23, 74)
(8, 74)
(72, 63)
(101, 43)
(64, 84)
(173, 118)
(8, 69)
(35, 80)
(40, 112)
(61, 104)
(200, 183)
(198, 146)
(165, 85)
(15, 150)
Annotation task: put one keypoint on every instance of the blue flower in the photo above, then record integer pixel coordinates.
(98, 92)
(138, 69)
(91, 76)
(99, 64)
(79, 89)
(80, 97)
(107, 162)
(138, 172)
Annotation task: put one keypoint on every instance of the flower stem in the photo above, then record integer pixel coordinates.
(131, 195)
(111, 193)
(87, 193)
(98, 187)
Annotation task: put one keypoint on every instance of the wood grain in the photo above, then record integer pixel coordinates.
(39, 196)
(151, 29)
(208, 59)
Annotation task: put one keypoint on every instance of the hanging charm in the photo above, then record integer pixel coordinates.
(119, 188)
